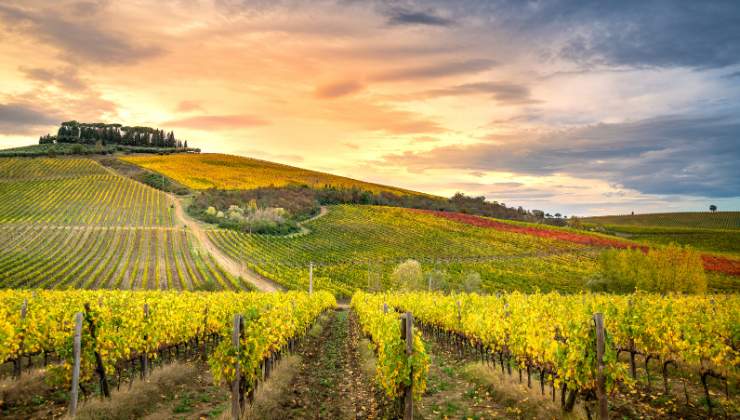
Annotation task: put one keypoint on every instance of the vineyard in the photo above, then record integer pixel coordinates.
(202, 171)
(125, 331)
(359, 246)
(355, 246)
(700, 220)
(69, 223)
(76, 192)
(112, 258)
(552, 337)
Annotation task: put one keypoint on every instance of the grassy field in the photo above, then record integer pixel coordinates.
(68, 222)
(202, 171)
(700, 220)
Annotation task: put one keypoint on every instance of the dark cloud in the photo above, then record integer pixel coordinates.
(503, 92)
(436, 70)
(19, 118)
(218, 122)
(67, 77)
(674, 155)
(79, 38)
(398, 16)
(662, 33)
(659, 33)
(335, 90)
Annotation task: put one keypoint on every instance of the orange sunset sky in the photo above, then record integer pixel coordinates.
(564, 106)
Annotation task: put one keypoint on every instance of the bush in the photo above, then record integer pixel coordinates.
(439, 280)
(408, 276)
(665, 270)
(471, 283)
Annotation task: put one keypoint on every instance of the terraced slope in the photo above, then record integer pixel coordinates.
(69, 223)
(202, 171)
(355, 245)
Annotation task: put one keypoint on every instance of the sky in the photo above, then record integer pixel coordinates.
(577, 107)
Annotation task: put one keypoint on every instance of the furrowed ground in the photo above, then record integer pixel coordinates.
(69, 222)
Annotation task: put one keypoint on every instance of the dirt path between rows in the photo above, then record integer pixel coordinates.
(329, 381)
(233, 267)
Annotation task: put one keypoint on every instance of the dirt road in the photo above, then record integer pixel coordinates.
(233, 267)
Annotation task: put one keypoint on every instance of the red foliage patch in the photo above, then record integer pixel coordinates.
(711, 262)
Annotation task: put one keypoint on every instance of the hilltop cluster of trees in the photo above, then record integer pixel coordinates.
(93, 133)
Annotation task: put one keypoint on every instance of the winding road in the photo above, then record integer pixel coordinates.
(234, 268)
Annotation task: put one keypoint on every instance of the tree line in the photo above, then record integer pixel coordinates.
(94, 133)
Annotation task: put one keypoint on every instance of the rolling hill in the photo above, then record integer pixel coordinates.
(69, 222)
(202, 171)
(699, 220)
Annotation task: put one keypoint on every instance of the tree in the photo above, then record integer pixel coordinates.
(665, 270)
(712, 208)
(408, 276)
(438, 279)
(471, 283)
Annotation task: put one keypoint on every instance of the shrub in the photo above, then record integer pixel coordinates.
(471, 283)
(439, 280)
(665, 270)
(408, 276)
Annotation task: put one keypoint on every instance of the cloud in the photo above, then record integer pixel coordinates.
(432, 71)
(67, 77)
(672, 155)
(335, 90)
(79, 38)
(218, 122)
(503, 92)
(411, 17)
(187, 106)
(20, 118)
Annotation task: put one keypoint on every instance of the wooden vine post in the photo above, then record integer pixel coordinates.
(310, 278)
(407, 334)
(99, 368)
(76, 348)
(17, 364)
(601, 378)
(236, 397)
(145, 360)
(205, 334)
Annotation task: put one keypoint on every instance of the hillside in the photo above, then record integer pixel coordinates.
(701, 220)
(69, 222)
(203, 171)
(712, 232)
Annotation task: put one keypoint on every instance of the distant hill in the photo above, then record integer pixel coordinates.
(237, 173)
(702, 220)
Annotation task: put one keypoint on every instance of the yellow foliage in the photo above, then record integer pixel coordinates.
(227, 172)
